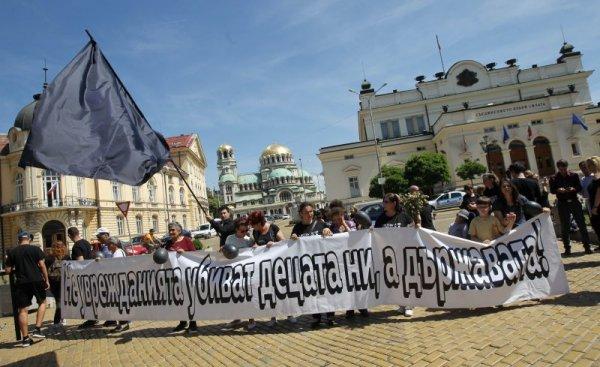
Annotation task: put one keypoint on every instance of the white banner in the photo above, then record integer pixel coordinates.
(400, 266)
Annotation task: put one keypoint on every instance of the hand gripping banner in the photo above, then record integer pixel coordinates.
(395, 266)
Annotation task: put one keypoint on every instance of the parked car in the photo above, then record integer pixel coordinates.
(285, 216)
(205, 231)
(373, 210)
(447, 200)
(136, 247)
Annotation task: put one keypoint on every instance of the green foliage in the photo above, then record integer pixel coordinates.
(413, 203)
(394, 182)
(427, 169)
(213, 203)
(470, 169)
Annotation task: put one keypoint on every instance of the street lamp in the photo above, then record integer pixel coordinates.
(381, 179)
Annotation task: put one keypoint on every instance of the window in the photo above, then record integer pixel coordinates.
(456, 195)
(139, 225)
(390, 129)
(390, 153)
(575, 149)
(489, 130)
(171, 195)
(598, 121)
(537, 122)
(285, 196)
(116, 190)
(512, 126)
(19, 188)
(349, 156)
(80, 187)
(181, 196)
(52, 187)
(415, 125)
(120, 226)
(152, 191)
(155, 222)
(173, 218)
(354, 188)
(419, 149)
(135, 194)
(184, 221)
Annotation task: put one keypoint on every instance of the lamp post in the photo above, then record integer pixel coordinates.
(380, 179)
(302, 180)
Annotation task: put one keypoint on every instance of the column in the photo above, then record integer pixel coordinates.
(531, 157)
(506, 158)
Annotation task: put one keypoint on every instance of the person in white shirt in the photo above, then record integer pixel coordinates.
(586, 180)
(115, 247)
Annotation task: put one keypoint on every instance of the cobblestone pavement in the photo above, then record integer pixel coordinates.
(561, 331)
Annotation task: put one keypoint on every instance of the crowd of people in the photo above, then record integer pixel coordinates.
(486, 213)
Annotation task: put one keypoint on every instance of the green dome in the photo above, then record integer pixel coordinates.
(250, 178)
(228, 177)
(24, 118)
(280, 172)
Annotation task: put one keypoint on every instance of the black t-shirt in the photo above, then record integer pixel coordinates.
(24, 260)
(224, 228)
(427, 217)
(492, 193)
(82, 248)
(592, 189)
(400, 219)
(315, 228)
(528, 188)
(263, 239)
(502, 206)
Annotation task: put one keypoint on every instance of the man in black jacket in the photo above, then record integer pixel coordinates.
(527, 187)
(225, 227)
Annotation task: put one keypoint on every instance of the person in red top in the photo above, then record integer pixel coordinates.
(181, 244)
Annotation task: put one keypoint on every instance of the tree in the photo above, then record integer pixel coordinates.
(213, 202)
(469, 169)
(394, 182)
(426, 170)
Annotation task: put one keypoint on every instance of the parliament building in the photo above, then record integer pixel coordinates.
(494, 114)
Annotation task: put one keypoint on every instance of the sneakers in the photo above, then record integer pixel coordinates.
(37, 333)
(63, 322)
(109, 323)
(292, 319)
(26, 342)
(234, 324)
(567, 252)
(350, 314)
(587, 250)
(120, 328)
(180, 327)
(87, 324)
(364, 312)
(272, 322)
(251, 325)
(406, 311)
(193, 328)
(315, 324)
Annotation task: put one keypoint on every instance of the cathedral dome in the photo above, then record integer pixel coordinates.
(224, 147)
(275, 149)
(228, 177)
(24, 118)
(251, 178)
(280, 172)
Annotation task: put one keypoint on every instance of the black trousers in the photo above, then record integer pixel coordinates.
(566, 208)
(55, 289)
(595, 220)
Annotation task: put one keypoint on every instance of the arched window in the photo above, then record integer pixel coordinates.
(285, 196)
(51, 187)
(135, 194)
(184, 221)
(155, 222)
(139, 224)
(116, 190)
(171, 195)
(181, 196)
(152, 190)
(19, 196)
(173, 218)
(120, 225)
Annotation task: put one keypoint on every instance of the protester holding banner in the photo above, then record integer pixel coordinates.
(460, 227)
(492, 186)
(487, 227)
(337, 203)
(54, 262)
(308, 225)
(115, 247)
(338, 224)
(263, 232)
(82, 250)
(31, 279)
(225, 227)
(509, 201)
(181, 244)
(565, 185)
(102, 234)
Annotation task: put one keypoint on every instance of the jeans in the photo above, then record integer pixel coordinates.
(566, 208)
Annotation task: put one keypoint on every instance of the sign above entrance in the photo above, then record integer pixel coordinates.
(123, 207)
(492, 112)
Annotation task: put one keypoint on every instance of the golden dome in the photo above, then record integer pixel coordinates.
(224, 147)
(274, 149)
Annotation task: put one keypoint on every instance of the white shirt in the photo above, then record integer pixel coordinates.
(119, 253)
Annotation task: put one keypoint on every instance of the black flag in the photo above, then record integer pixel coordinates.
(86, 124)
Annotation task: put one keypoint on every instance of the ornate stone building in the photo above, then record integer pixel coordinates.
(493, 114)
(45, 203)
(275, 189)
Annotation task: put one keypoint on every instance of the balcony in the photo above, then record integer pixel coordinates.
(67, 202)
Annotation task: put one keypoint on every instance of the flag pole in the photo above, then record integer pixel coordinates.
(188, 186)
(440, 52)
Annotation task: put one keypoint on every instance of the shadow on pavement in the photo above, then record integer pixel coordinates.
(577, 299)
(581, 265)
(46, 359)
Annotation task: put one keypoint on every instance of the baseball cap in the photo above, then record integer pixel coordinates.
(463, 213)
(22, 234)
(101, 230)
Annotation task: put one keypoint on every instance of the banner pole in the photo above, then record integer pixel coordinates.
(188, 186)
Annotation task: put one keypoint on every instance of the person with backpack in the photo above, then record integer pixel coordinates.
(54, 261)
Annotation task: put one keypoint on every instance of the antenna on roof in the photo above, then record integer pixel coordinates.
(45, 68)
(363, 70)
(437, 40)
(562, 31)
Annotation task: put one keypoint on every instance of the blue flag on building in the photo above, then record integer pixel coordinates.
(505, 136)
(577, 121)
(86, 124)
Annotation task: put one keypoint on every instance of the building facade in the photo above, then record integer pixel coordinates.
(278, 186)
(46, 204)
(495, 115)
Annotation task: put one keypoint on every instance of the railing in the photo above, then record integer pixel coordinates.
(42, 204)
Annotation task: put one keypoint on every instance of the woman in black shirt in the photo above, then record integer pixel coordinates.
(53, 261)
(264, 233)
(509, 201)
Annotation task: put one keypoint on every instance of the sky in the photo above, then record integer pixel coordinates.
(253, 73)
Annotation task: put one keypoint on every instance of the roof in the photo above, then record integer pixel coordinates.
(24, 118)
(280, 172)
(275, 149)
(3, 144)
(228, 177)
(248, 178)
(180, 141)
